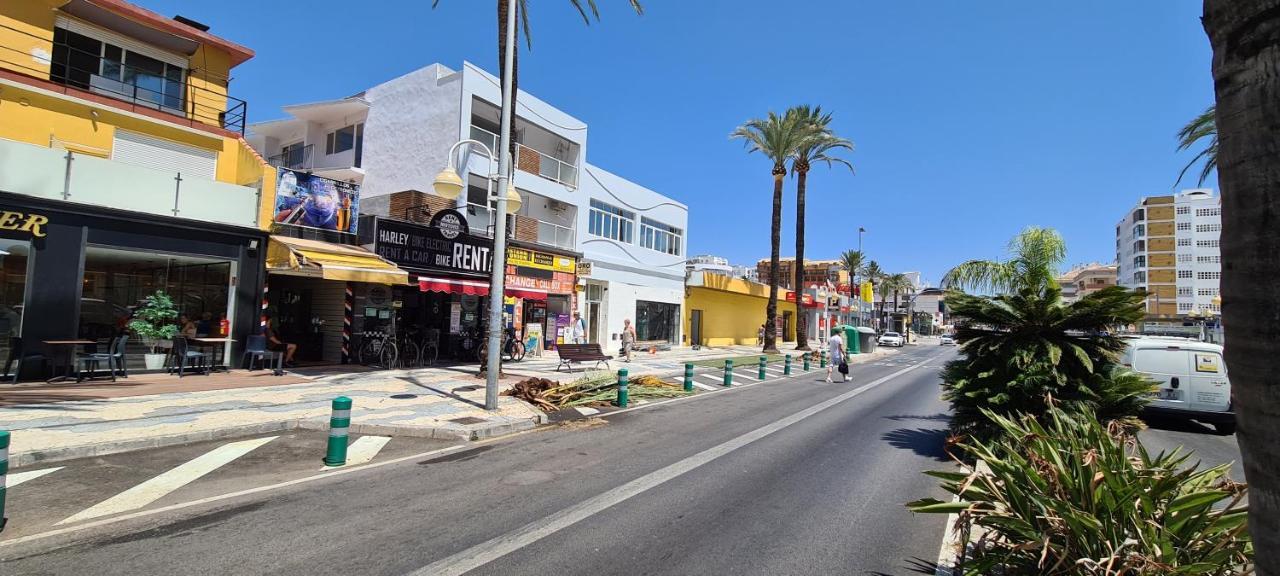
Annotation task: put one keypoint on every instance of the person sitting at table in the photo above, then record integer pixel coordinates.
(205, 326)
(186, 327)
(275, 344)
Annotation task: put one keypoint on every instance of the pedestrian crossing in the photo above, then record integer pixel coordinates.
(17, 478)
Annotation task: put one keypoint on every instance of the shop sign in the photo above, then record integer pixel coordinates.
(24, 222)
(584, 269)
(540, 260)
(307, 200)
(440, 246)
(557, 283)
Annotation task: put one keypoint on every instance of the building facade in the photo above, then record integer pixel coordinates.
(724, 311)
(816, 272)
(1168, 246)
(123, 172)
(1086, 279)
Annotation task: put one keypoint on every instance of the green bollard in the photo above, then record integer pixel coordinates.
(728, 372)
(806, 361)
(786, 366)
(339, 421)
(688, 377)
(4, 470)
(622, 388)
(760, 374)
(822, 359)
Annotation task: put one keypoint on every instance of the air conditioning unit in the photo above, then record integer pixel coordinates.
(557, 206)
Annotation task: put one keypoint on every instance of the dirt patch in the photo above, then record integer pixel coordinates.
(583, 423)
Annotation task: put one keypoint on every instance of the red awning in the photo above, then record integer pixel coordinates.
(527, 293)
(453, 286)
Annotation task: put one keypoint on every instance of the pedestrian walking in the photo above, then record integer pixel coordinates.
(579, 329)
(835, 349)
(628, 338)
(760, 335)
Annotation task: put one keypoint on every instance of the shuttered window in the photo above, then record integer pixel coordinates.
(166, 155)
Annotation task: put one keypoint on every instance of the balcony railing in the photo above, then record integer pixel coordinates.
(532, 161)
(555, 235)
(293, 158)
(67, 176)
(138, 86)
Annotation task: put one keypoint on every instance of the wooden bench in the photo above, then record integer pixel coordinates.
(570, 353)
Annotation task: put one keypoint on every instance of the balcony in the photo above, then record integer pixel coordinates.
(293, 158)
(532, 161)
(67, 176)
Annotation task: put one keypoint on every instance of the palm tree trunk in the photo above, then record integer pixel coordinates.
(515, 73)
(775, 240)
(884, 298)
(1245, 59)
(802, 315)
(895, 303)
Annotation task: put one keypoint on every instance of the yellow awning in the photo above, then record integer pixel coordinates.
(316, 259)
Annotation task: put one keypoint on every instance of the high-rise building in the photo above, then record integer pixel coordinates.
(1086, 279)
(1168, 246)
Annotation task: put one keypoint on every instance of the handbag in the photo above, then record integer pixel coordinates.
(844, 367)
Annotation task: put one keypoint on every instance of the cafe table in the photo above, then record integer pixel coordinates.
(218, 345)
(66, 350)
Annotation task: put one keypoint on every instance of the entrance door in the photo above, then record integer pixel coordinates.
(593, 322)
(695, 328)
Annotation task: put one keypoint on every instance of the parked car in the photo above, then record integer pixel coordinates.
(1191, 378)
(947, 340)
(890, 339)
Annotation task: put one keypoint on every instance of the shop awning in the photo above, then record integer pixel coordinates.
(474, 288)
(316, 259)
(526, 293)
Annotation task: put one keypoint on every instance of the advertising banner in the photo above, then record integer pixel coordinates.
(540, 260)
(444, 245)
(307, 200)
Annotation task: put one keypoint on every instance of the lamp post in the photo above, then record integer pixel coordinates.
(449, 185)
(858, 278)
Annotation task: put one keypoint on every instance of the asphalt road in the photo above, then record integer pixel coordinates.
(794, 476)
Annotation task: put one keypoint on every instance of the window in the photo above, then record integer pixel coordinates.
(1208, 227)
(91, 64)
(1184, 306)
(1184, 209)
(1209, 259)
(1206, 275)
(611, 222)
(1184, 241)
(1205, 291)
(1207, 243)
(1184, 274)
(1139, 261)
(1184, 291)
(1139, 277)
(1184, 258)
(1140, 246)
(13, 289)
(344, 139)
(1184, 226)
(655, 235)
(1208, 212)
(656, 320)
(1215, 307)
(1139, 231)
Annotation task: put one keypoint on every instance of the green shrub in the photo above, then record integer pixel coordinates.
(154, 319)
(1067, 495)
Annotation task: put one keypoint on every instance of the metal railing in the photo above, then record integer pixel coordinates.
(293, 158)
(178, 97)
(480, 221)
(555, 235)
(539, 163)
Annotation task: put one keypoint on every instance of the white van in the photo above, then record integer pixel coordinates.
(1191, 375)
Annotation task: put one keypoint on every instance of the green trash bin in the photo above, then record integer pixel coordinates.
(849, 335)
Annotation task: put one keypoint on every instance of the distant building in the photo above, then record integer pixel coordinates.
(720, 265)
(1168, 246)
(726, 311)
(816, 272)
(1086, 279)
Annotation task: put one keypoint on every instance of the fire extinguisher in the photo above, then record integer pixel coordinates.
(224, 327)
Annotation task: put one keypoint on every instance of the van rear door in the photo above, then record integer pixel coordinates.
(1169, 367)
(1210, 390)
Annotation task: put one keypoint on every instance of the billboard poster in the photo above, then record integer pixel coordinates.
(308, 200)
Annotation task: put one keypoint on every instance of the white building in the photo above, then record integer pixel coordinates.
(395, 137)
(721, 265)
(1168, 246)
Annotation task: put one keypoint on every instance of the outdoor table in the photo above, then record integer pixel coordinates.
(219, 357)
(70, 347)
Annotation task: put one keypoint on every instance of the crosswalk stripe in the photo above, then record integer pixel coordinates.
(19, 477)
(365, 448)
(716, 379)
(704, 386)
(159, 486)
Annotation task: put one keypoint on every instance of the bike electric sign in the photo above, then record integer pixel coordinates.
(444, 245)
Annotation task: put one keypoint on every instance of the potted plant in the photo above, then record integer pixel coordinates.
(154, 321)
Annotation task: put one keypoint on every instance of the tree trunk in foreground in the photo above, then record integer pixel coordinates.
(775, 240)
(802, 315)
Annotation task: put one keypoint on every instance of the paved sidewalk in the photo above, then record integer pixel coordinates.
(432, 403)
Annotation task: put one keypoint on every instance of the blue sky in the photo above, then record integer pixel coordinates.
(972, 119)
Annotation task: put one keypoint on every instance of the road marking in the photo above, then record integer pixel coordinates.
(157, 487)
(705, 386)
(364, 449)
(716, 379)
(486, 552)
(19, 477)
(583, 410)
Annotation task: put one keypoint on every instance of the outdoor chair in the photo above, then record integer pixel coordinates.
(114, 357)
(16, 358)
(255, 349)
(184, 356)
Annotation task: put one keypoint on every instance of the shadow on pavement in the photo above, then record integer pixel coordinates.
(914, 566)
(940, 417)
(923, 441)
(1172, 424)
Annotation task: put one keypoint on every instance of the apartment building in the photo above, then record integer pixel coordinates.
(721, 265)
(583, 240)
(123, 172)
(1086, 279)
(1168, 246)
(816, 272)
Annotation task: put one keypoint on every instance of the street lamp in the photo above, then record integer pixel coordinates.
(858, 278)
(450, 185)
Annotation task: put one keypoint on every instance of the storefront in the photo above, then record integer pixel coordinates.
(541, 286)
(78, 272)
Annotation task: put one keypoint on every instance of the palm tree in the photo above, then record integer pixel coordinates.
(853, 261)
(1203, 126)
(777, 136)
(1244, 65)
(818, 147)
(895, 283)
(1034, 257)
(874, 273)
(522, 14)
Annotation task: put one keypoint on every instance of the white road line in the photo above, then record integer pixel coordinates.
(364, 449)
(705, 386)
(19, 477)
(716, 379)
(157, 487)
(486, 552)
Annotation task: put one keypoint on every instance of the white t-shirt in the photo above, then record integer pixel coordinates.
(834, 344)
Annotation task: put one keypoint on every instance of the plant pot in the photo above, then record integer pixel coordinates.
(154, 361)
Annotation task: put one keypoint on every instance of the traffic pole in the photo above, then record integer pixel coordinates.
(822, 359)
(806, 361)
(622, 388)
(4, 471)
(688, 377)
(728, 372)
(339, 421)
(760, 373)
(786, 366)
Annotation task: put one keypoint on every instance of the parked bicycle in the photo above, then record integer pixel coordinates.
(513, 349)
(379, 349)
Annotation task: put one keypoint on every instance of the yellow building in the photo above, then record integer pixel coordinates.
(119, 134)
(723, 311)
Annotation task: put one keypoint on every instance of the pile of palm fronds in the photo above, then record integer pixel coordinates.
(600, 387)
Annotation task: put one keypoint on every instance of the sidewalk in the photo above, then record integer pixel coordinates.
(100, 419)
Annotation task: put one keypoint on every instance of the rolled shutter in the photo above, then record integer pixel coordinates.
(166, 155)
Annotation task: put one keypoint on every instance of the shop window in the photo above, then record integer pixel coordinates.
(656, 320)
(14, 256)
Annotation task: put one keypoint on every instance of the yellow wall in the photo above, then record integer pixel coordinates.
(732, 310)
(207, 84)
(1160, 229)
(1162, 212)
(1158, 200)
(1164, 291)
(26, 27)
(1161, 276)
(1164, 260)
(1164, 244)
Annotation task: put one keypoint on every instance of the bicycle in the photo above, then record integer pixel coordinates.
(378, 349)
(512, 348)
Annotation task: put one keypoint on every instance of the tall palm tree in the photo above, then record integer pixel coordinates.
(1034, 257)
(873, 273)
(1244, 63)
(522, 14)
(818, 147)
(853, 261)
(1203, 126)
(777, 136)
(894, 283)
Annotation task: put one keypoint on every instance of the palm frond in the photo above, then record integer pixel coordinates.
(777, 136)
(852, 261)
(979, 275)
(1203, 126)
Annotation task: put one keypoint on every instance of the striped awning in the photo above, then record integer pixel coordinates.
(316, 259)
(474, 288)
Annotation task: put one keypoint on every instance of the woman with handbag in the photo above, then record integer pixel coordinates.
(835, 349)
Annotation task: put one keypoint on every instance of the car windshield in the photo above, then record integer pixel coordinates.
(891, 334)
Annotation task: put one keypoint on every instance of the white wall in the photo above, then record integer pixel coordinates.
(412, 122)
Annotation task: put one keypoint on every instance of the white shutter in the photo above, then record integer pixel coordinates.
(104, 35)
(167, 155)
